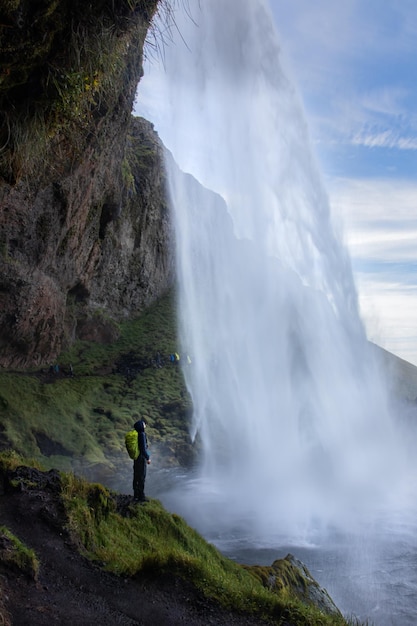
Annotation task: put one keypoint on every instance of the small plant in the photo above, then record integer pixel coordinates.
(128, 178)
(15, 555)
(10, 460)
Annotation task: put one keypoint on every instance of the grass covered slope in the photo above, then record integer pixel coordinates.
(140, 543)
(77, 421)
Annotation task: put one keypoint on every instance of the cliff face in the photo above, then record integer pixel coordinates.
(84, 223)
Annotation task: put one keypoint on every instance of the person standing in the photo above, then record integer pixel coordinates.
(139, 465)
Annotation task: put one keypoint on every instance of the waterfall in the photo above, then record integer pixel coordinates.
(289, 406)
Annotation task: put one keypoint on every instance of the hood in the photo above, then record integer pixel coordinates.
(139, 426)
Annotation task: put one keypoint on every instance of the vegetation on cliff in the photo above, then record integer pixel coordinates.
(64, 66)
(84, 224)
(79, 421)
(144, 541)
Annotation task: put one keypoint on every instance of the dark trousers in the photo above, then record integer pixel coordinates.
(139, 475)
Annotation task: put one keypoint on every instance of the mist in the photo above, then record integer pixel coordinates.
(300, 439)
(289, 405)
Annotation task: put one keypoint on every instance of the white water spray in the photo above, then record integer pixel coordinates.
(288, 404)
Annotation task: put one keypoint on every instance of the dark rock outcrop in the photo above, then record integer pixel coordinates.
(84, 223)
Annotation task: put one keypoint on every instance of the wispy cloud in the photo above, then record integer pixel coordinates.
(388, 100)
(385, 139)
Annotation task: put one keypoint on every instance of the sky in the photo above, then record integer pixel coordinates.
(354, 64)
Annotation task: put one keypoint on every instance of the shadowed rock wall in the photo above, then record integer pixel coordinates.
(84, 224)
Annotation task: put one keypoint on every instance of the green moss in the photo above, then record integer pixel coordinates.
(14, 554)
(10, 459)
(149, 539)
(77, 58)
(60, 418)
(128, 539)
(282, 575)
(127, 176)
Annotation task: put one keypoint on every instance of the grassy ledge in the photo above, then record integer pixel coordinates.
(132, 540)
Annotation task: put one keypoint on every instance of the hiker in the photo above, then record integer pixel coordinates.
(139, 465)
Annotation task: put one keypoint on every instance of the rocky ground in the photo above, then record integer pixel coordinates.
(70, 590)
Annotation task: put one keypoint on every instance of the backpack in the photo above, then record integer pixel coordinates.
(132, 444)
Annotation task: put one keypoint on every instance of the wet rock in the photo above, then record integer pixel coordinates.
(291, 574)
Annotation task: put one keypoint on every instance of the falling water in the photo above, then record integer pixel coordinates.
(289, 407)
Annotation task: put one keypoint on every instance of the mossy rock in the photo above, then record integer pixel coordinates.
(291, 576)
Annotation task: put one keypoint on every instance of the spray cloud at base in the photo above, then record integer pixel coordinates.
(289, 406)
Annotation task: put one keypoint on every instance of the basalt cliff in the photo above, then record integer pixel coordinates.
(85, 235)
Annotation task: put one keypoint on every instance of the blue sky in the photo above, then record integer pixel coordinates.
(354, 64)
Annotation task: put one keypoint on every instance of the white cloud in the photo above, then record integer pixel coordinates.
(389, 311)
(379, 246)
(373, 199)
(380, 220)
